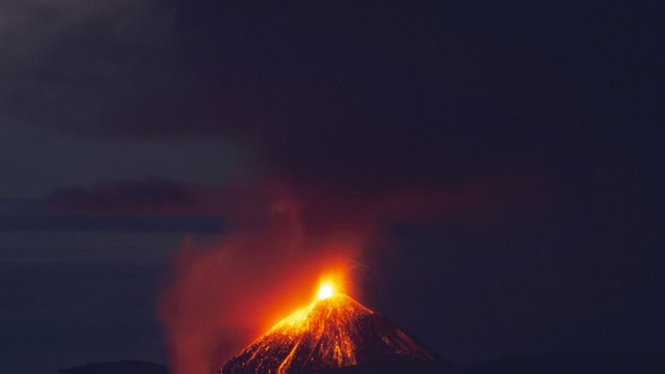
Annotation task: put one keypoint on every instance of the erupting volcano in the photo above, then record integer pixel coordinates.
(333, 333)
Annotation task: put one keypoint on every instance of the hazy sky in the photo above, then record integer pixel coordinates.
(503, 160)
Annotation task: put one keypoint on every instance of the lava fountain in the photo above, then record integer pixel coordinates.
(332, 333)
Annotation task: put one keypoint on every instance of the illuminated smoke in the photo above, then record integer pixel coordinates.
(224, 294)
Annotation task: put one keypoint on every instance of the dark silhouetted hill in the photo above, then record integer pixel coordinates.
(117, 367)
(565, 363)
(397, 365)
(572, 363)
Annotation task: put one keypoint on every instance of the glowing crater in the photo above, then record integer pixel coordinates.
(326, 291)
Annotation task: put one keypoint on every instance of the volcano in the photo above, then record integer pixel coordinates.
(333, 334)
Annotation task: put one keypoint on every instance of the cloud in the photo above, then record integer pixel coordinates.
(59, 222)
(144, 197)
(322, 209)
(37, 160)
(408, 111)
(62, 247)
(163, 197)
(79, 62)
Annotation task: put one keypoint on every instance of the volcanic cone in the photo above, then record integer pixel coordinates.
(334, 333)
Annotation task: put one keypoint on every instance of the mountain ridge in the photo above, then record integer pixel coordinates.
(117, 367)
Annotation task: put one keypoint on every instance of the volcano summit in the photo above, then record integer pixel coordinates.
(334, 333)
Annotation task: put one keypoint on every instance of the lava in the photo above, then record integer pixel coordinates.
(334, 331)
(325, 291)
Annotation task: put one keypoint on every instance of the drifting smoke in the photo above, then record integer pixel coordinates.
(369, 122)
(227, 293)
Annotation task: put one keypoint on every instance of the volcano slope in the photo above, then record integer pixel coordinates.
(332, 335)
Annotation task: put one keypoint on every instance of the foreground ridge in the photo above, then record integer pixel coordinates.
(328, 334)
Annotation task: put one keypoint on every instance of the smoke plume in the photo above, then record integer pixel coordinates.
(349, 126)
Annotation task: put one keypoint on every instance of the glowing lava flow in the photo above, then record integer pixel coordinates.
(325, 291)
(332, 332)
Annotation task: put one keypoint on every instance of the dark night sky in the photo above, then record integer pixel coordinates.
(532, 133)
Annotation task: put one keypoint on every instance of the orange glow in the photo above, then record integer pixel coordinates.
(325, 291)
(332, 283)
